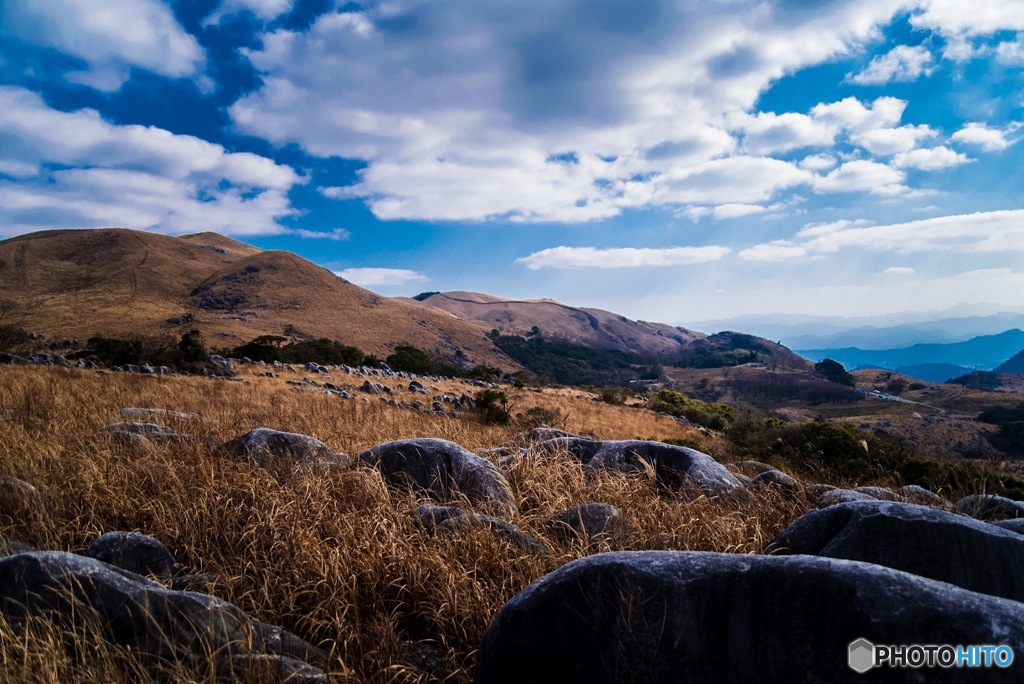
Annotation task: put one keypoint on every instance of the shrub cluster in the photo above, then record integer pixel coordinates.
(187, 355)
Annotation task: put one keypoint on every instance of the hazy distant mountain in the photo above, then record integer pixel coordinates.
(982, 353)
(934, 372)
(1014, 365)
(878, 332)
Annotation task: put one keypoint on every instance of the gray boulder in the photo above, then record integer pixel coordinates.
(543, 434)
(590, 523)
(990, 507)
(266, 448)
(49, 360)
(151, 431)
(132, 412)
(13, 359)
(21, 504)
(371, 388)
(664, 617)
(918, 494)
(451, 519)
(749, 468)
(1014, 525)
(838, 496)
(916, 539)
(441, 469)
(676, 468)
(776, 479)
(161, 626)
(134, 552)
(880, 493)
(579, 448)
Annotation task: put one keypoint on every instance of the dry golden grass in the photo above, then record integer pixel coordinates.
(330, 554)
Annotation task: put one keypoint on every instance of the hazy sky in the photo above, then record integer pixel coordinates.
(671, 161)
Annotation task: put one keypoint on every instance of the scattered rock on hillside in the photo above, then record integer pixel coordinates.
(20, 502)
(131, 412)
(838, 496)
(268, 448)
(916, 539)
(543, 434)
(918, 494)
(151, 431)
(749, 468)
(451, 519)
(676, 468)
(880, 493)
(134, 552)
(580, 448)
(651, 616)
(161, 626)
(990, 507)
(776, 479)
(441, 468)
(12, 359)
(1013, 524)
(591, 523)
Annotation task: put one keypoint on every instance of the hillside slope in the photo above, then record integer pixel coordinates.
(1014, 364)
(119, 282)
(591, 327)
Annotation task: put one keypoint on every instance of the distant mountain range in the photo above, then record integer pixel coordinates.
(1013, 365)
(876, 332)
(932, 362)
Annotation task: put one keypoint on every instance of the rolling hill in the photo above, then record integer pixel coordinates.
(119, 282)
(554, 320)
(548, 320)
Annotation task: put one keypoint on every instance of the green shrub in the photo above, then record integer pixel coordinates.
(494, 405)
(710, 415)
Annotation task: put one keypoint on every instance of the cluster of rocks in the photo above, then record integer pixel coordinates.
(120, 587)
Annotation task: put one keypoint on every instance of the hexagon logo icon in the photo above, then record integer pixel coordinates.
(861, 656)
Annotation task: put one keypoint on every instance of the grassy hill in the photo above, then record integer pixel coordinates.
(118, 282)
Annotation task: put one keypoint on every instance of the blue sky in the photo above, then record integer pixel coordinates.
(670, 161)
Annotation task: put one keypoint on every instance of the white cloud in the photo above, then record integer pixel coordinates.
(737, 210)
(336, 234)
(624, 257)
(381, 277)
(817, 229)
(110, 35)
(818, 162)
(901, 64)
(767, 133)
(778, 250)
(266, 10)
(863, 176)
(980, 135)
(931, 159)
(137, 176)
(900, 270)
(745, 180)
(852, 115)
(994, 231)
(464, 114)
(980, 17)
(889, 141)
(1011, 52)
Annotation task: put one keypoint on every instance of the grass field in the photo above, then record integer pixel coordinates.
(330, 554)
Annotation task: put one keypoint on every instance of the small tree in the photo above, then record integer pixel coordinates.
(833, 371)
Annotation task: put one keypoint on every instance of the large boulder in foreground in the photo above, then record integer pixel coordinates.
(665, 617)
(162, 626)
(917, 539)
(267, 448)
(676, 468)
(442, 469)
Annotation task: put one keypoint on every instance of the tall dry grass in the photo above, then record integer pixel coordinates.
(330, 554)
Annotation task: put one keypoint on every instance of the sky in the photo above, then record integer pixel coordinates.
(669, 161)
